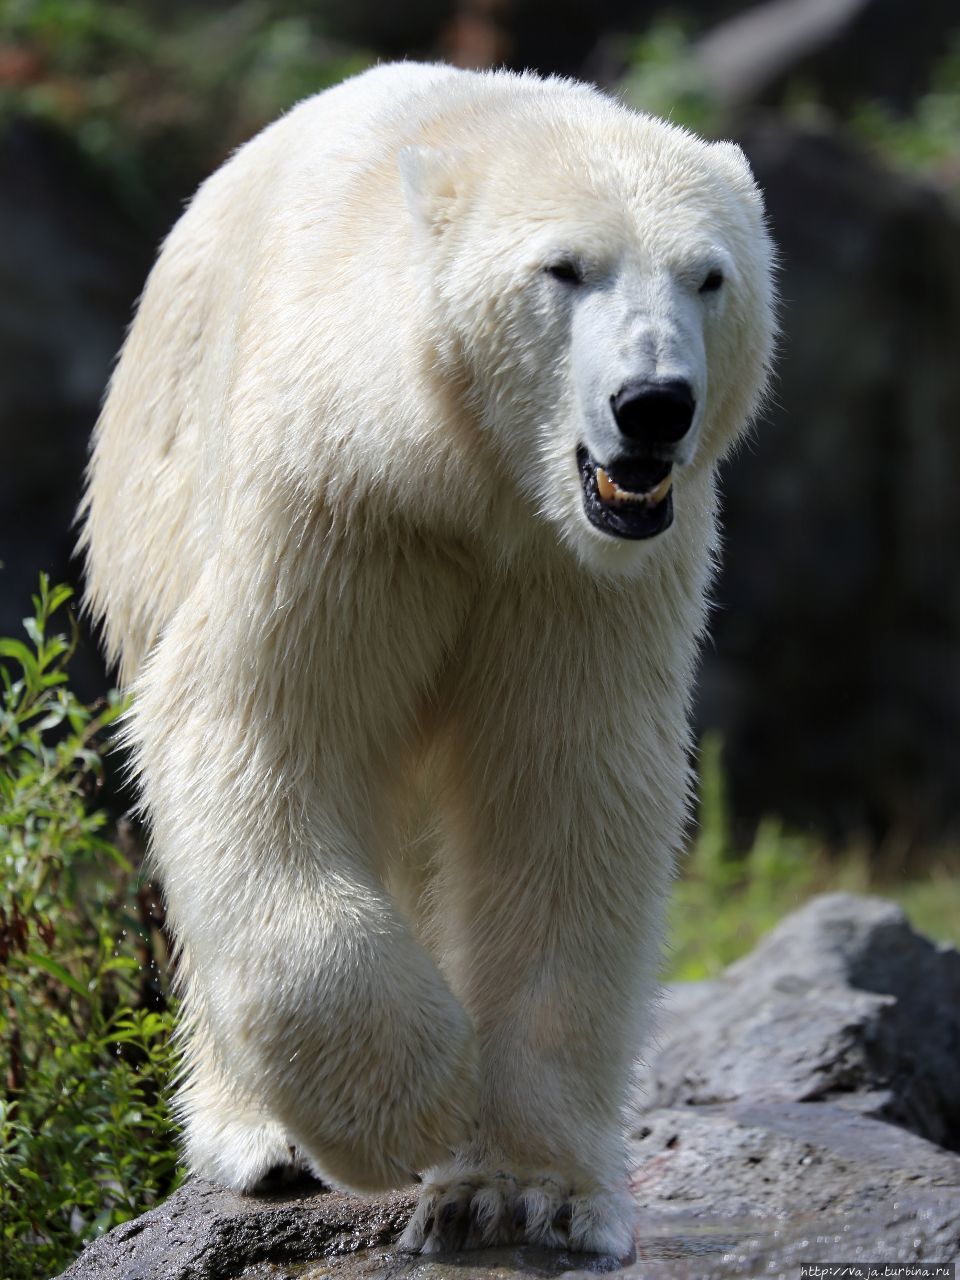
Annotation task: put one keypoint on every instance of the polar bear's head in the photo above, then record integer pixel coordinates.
(604, 278)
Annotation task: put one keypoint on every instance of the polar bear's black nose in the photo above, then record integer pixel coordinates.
(654, 413)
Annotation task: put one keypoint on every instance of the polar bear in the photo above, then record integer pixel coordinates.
(403, 501)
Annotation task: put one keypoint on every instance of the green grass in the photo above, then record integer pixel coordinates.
(726, 899)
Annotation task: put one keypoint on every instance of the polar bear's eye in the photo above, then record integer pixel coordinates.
(565, 269)
(712, 282)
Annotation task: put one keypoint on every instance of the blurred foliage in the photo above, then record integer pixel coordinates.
(926, 142)
(86, 1140)
(157, 94)
(727, 899)
(664, 79)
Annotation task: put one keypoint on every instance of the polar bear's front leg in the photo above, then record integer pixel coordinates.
(362, 1081)
(266, 760)
(569, 792)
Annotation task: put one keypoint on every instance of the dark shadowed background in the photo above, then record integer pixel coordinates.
(833, 676)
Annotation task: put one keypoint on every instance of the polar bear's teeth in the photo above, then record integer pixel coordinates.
(658, 494)
(610, 491)
(605, 486)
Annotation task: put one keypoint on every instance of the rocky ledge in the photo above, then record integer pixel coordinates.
(803, 1107)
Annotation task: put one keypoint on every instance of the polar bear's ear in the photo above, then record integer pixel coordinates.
(429, 178)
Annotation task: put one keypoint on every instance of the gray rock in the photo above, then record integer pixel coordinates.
(761, 1150)
(843, 1001)
(738, 1190)
(204, 1232)
(757, 1188)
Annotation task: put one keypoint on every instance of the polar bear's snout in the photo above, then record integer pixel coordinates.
(630, 495)
(652, 414)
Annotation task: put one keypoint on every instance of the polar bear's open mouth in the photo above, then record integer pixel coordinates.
(629, 498)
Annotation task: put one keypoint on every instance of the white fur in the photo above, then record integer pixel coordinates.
(336, 541)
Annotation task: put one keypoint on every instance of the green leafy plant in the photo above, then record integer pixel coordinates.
(86, 1140)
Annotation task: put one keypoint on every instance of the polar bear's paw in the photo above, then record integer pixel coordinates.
(480, 1209)
(246, 1152)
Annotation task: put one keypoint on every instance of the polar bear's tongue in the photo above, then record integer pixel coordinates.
(610, 491)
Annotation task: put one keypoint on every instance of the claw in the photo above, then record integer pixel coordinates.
(448, 1214)
(451, 1225)
(561, 1219)
(477, 1209)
